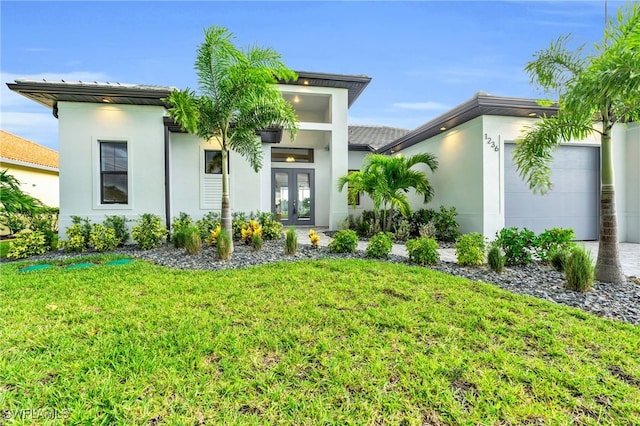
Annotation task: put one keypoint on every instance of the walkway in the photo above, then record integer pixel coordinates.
(629, 252)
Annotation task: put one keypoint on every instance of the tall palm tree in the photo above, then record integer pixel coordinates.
(594, 93)
(237, 97)
(387, 181)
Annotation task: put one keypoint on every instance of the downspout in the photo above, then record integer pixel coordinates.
(167, 179)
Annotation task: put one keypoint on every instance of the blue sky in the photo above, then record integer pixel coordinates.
(425, 57)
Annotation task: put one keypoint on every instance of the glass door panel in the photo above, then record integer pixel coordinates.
(303, 196)
(281, 196)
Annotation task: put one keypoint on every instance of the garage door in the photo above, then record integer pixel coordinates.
(573, 201)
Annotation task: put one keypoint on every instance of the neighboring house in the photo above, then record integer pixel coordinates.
(120, 154)
(474, 143)
(35, 166)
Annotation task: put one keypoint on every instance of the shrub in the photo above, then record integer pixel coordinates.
(14, 222)
(271, 228)
(496, 259)
(552, 240)
(250, 229)
(75, 239)
(344, 241)
(558, 258)
(579, 270)
(290, 241)
(207, 224)
(103, 238)
(119, 225)
(427, 230)
(213, 236)
(238, 219)
(192, 240)
(85, 227)
(223, 245)
(402, 230)
(470, 249)
(27, 244)
(379, 246)
(447, 229)
(149, 232)
(420, 218)
(47, 223)
(314, 238)
(256, 242)
(517, 245)
(423, 250)
(180, 225)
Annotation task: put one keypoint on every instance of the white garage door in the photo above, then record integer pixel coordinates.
(573, 201)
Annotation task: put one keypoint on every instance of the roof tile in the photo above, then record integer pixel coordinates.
(15, 148)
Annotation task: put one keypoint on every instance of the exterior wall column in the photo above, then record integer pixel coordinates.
(339, 153)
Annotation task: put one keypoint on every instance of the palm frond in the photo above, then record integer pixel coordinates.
(555, 67)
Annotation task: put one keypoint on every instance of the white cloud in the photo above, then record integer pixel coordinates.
(421, 106)
(39, 127)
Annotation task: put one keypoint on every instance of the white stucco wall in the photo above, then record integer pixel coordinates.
(631, 178)
(39, 183)
(458, 182)
(81, 127)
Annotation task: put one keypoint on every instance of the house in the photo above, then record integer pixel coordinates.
(34, 165)
(474, 143)
(120, 154)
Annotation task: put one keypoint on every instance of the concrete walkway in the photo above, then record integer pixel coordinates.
(629, 252)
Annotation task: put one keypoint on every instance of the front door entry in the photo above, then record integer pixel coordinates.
(292, 196)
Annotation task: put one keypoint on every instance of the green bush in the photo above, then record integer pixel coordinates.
(470, 249)
(379, 246)
(552, 240)
(119, 226)
(207, 224)
(75, 239)
(271, 228)
(558, 258)
(47, 223)
(290, 241)
(223, 245)
(27, 244)
(344, 241)
(256, 241)
(402, 230)
(180, 225)
(423, 250)
(496, 259)
(149, 231)
(427, 230)
(192, 241)
(237, 220)
(85, 227)
(14, 222)
(103, 238)
(518, 245)
(579, 270)
(447, 229)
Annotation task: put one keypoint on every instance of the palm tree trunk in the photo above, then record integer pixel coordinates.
(608, 267)
(226, 202)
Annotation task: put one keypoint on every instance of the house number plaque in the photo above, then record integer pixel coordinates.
(493, 144)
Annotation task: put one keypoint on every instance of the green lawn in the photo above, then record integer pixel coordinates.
(4, 248)
(324, 342)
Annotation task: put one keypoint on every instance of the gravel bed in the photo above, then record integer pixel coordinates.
(620, 302)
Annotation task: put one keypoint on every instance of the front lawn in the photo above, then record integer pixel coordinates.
(340, 341)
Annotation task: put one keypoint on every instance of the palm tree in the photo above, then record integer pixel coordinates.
(237, 97)
(594, 93)
(387, 181)
(12, 198)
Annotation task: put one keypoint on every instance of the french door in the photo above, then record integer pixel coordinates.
(292, 196)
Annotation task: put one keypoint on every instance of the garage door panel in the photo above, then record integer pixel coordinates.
(572, 202)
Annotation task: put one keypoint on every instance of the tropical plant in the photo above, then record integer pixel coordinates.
(149, 231)
(223, 245)
(192, 240)
(470, 249)
(579, 270)
(344, 241)
(13, 199)
(423, 250)
(388, 179)
(495, 258)
(27, 244)
(103, 238)
(594, 92)
(314, 238)
(290, 241)
(207, 224)
(238, 97)
(379, 246)
(119, 225)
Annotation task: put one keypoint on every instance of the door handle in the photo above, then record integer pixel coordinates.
(294, 208)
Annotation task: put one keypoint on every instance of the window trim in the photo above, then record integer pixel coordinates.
(113, 173)
(97, 175)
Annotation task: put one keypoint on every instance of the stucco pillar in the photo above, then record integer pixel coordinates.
(339, 151)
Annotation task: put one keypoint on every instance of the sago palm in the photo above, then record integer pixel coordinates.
(388, 179)
(594, 93)
(237, 96)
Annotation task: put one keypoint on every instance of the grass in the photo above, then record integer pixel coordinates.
(323, 342)
(4, 248)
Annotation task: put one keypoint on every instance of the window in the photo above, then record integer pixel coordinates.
(114, 180)
(213, 162)
(352, 196)
(292, 155)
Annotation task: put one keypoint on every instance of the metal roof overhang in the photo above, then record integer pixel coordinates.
(480, 104)
(355, 84)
